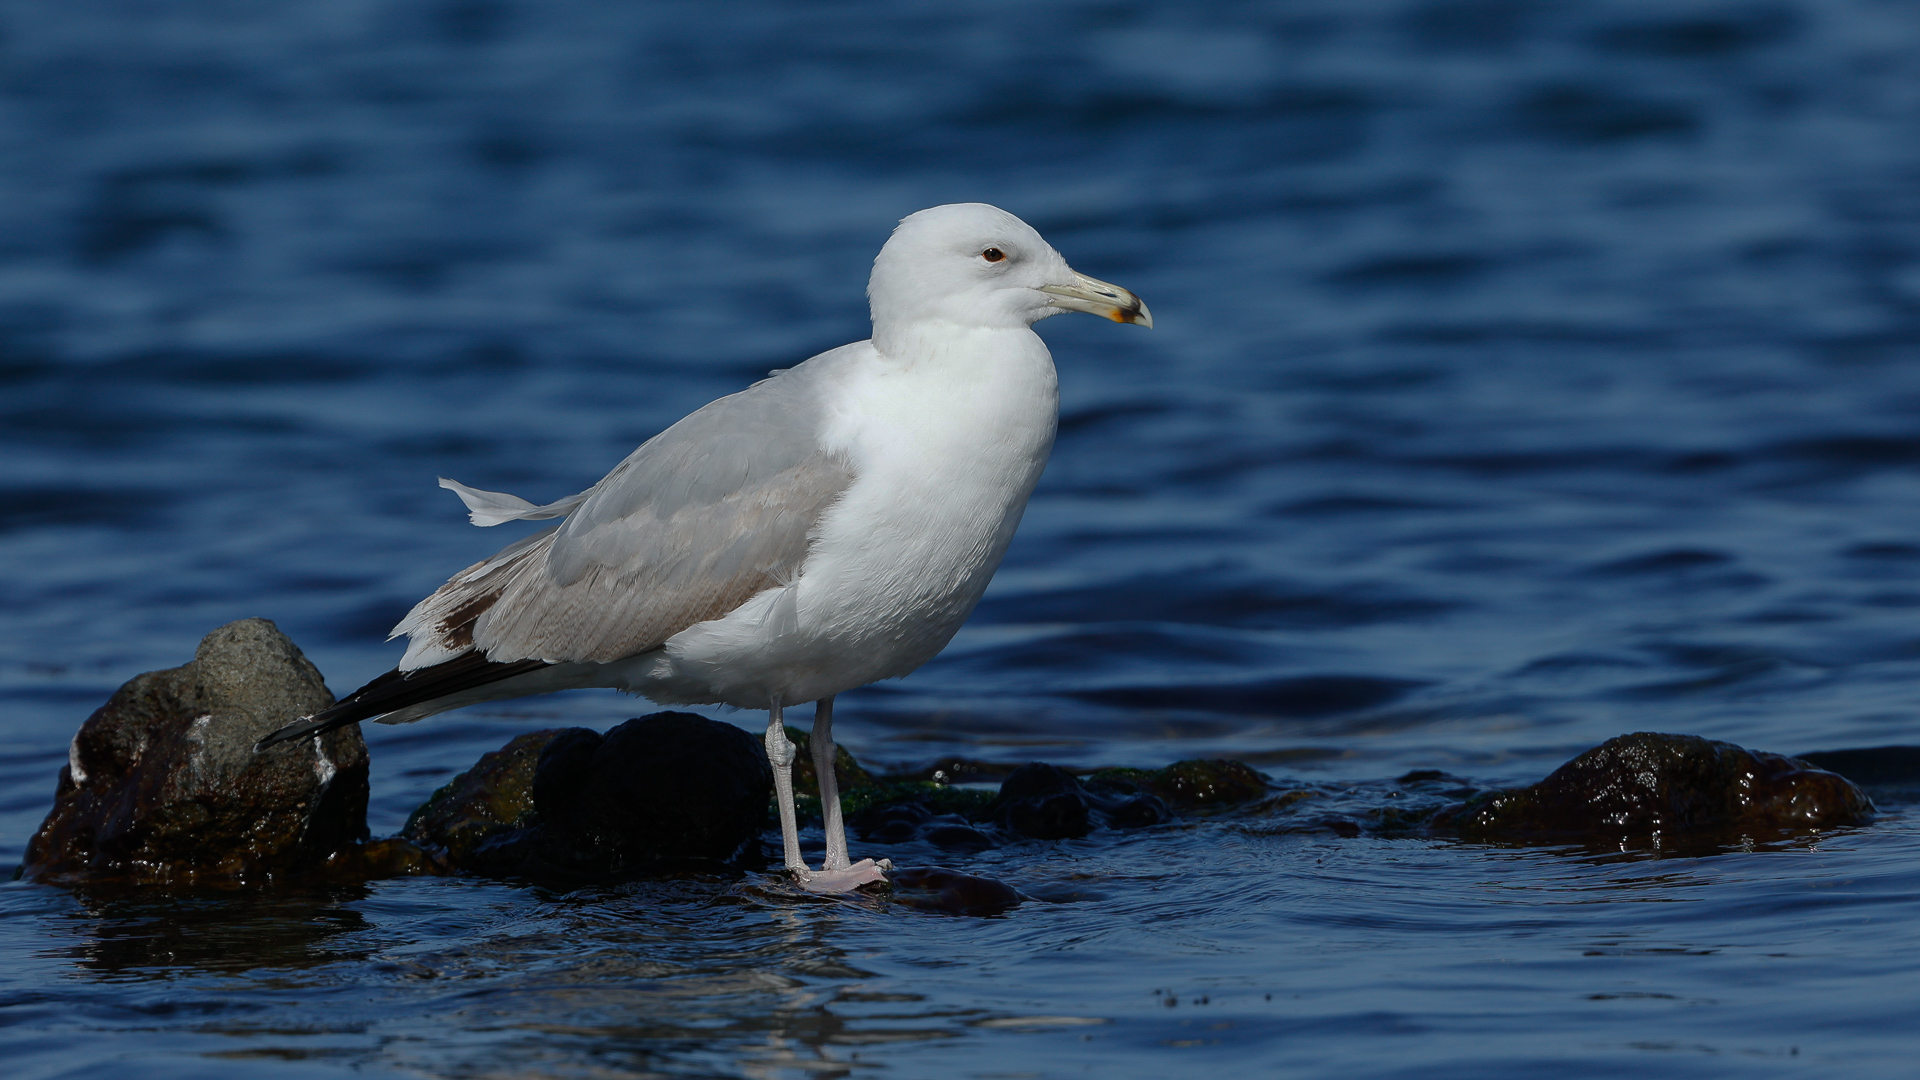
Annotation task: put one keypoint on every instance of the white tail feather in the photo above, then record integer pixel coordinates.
(487, 508)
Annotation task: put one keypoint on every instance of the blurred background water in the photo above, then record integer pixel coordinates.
(1526, 372)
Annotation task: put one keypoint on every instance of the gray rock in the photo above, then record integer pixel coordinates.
(163, 785)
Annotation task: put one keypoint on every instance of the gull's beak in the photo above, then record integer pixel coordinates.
(1099, 298)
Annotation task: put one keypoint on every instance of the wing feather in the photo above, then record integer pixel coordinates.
(694, 523)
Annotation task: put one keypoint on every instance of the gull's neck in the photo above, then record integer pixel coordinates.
(933, 338)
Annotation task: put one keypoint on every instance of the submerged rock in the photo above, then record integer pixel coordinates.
(656, 792)
(162, 783)
(903, 822)
(1039, 801)
(1193, 784)
(1646, 784)
(1046, 802)
(935, 888)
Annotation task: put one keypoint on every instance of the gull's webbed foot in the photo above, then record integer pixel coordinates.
(864, 872)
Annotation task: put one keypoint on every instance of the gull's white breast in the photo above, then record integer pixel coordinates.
(945, 447)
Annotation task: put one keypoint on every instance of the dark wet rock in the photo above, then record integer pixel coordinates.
(670, 786)
(655, 793)
(1215, 782)
(1035, 780)
(391, 857)
(894, 824)
(1192, 784)
(1889, 773)
(1646, 784)
(494, 796)
(943, 817)
(934, 888)
(163, 785)
(1038, 801)
(1136, 811)
(1044, 802)
(1060, 815)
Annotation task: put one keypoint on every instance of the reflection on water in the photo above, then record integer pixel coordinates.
(1199, 935)
(148, 936)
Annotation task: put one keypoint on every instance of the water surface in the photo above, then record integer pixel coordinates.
(1525, 374)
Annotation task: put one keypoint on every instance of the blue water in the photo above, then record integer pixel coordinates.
(1525, 373)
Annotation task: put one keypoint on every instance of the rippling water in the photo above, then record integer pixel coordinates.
(1525, 374)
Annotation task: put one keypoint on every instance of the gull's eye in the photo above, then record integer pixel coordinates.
(993, 254)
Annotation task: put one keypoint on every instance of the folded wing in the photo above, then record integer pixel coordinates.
(691, 525)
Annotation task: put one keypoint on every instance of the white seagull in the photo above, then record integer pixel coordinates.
(827, 527)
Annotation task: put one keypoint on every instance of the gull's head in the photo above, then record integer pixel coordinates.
(977, 265)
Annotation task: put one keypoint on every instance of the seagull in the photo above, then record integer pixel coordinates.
(827, 527)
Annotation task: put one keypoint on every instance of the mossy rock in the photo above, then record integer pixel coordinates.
(851, 774)
(494, 796)
(970, 803)
(1196, 783)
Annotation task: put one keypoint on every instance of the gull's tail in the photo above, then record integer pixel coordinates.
(398, 690)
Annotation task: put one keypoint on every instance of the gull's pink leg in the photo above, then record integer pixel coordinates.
(837, 874)
(780, 754)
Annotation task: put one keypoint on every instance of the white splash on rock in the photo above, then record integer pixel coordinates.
(197, 735)
(73, 761)
(322, 767)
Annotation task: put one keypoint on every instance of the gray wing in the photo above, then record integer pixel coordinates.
(691, 525)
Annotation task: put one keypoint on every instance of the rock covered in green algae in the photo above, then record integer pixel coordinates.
(970, 803)
(494, 796)
(1041, 801)
(1646, 784)
(850, 773)
(163, 785)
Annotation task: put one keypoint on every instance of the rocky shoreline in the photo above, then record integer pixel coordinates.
(163, 788)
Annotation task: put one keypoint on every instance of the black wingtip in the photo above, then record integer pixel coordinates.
(398, 690)
(299, 729)
(328, 719)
